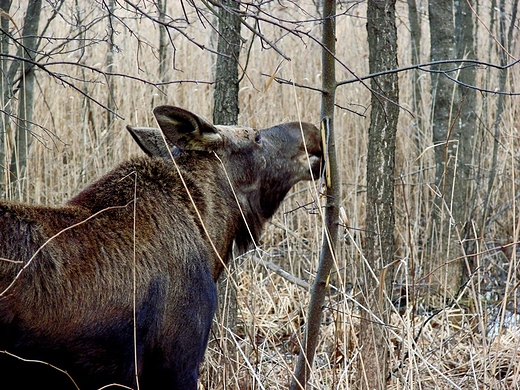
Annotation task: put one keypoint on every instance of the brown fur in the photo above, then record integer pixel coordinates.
(67, 293)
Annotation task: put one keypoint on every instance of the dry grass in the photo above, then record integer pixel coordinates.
(433, 347)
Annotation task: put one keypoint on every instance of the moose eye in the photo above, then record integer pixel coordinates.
(258, 138)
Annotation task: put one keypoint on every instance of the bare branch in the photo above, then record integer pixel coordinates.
(423, 67)
(63, 78)
(169, 25)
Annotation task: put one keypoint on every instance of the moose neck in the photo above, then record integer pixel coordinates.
(223, 216)
(241, 219)
(254, 209)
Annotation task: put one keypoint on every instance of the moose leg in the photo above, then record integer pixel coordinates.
(176, 364)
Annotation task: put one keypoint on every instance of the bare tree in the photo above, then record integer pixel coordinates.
(454, 134)
(464, 195)
(28, 49)
(441, 16)
(225, 112)
(163, 42)
(330, 236)
(505, 39)
(5, 6)
(415, 40)
(379, 249)
(111, 87)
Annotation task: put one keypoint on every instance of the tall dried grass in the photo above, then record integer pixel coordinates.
(433, 347)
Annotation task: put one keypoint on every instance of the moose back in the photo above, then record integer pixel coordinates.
(117, 286)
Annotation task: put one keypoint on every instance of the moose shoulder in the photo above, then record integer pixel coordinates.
(117, 286)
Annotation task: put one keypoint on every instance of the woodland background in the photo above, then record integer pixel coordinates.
(74, 73)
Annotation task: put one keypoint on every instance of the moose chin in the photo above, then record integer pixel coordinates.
(117, 287)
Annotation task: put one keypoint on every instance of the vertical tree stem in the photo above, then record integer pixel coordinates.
(321, 281)
(379, 247)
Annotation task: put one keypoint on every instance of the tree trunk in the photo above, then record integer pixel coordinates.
(505, 39)
(26, 97)
(163, 42)
(415, 39)
(443, 47)
(111, 100)
(330, 236)
(379, 250)
(225, 112)
(464, 203)
(5, 6)
(453, 124)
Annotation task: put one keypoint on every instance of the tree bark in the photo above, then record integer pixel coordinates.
(163, 42)
(505, 39)
(111, 88)
(442, 47)
(26, 97)
(379, 250)
(464, 202)
(5, 6)
(225, 112)
(415, 40)
(330, 236)
(453, 121)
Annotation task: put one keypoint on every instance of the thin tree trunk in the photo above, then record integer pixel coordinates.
(464, 201)
(415, 40)
(111, 101)
(163, 42)
(504, 42)
(447, 141)
(379, 250)
(5, 6)
(330, 236)
(225, 112)
(26, 97)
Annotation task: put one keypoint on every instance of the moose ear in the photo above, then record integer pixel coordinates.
(152, 141)
(187, 130)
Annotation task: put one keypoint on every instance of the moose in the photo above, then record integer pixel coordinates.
(117, 286)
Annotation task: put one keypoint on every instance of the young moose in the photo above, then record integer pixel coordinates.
(117, 286)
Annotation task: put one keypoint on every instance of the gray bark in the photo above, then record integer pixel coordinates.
(464, 201)
(111, 103)
(225, 112)
(330, 236)
(446, 144)
(29, 42)
(415, 40)
(505, 41)
(5, 6)
(163, 42)
(454, 123)
(226, 81)
(379, 249)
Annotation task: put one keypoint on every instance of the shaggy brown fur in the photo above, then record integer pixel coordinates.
(67, 294)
